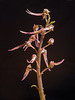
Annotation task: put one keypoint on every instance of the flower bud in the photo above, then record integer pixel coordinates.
(51, 41)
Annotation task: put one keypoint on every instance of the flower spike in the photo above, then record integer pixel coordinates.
(33, 59)
(39, 31)
(28, 69)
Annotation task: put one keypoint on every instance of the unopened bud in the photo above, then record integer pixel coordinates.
(51, 41)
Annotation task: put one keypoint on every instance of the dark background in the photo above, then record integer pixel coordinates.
(59, 84)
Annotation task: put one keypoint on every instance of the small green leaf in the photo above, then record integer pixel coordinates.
(34, 86)
(52, 22)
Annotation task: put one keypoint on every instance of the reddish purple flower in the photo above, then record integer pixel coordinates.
(52, 63)
(26, 44)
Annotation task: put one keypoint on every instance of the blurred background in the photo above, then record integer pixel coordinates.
(59, 84)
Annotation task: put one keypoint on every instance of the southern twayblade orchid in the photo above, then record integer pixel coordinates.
(28, 69)
(33, 59)
(39, 29)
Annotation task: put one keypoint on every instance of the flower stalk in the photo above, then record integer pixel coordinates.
(39, 78)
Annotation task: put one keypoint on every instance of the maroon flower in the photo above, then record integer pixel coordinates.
(52, 63)
(26, 44)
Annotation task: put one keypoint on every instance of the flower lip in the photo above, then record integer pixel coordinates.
(35, 14)
(35, 32)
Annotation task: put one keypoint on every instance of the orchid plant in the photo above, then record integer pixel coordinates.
(39, 50)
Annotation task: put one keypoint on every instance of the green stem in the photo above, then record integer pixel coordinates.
(39, 77)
